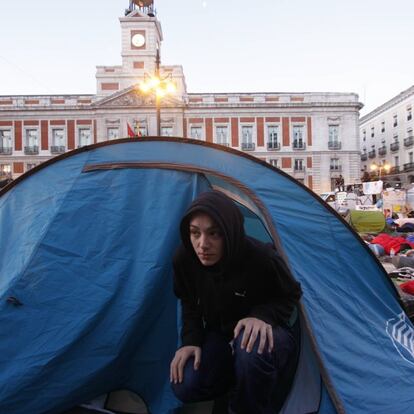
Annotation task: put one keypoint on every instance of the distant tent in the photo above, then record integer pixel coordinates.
(85, 281)
(367, 221)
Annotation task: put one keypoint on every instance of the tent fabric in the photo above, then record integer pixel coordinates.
(87, 242)
(367, 221)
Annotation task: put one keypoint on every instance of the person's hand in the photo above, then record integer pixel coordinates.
(253, 328)
(179, 360)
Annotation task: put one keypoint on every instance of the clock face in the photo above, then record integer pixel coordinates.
(138, 40)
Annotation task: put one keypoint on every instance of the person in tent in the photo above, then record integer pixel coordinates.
(238, 303)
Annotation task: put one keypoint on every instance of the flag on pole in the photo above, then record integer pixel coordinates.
(131, 133)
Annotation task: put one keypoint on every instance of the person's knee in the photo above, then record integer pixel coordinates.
(187, 390)
(249, 360)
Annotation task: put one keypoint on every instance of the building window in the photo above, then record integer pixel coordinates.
(396, 161)
(58, 141)
(333, 142)
(372, 132)
(396, 138)
(410, 157)
(273, 137)
(274, 162)
(222, 136)
(113, 133)
(383, 126)
(196, 132)
(6, 146)
(298, 137)
(5, 170)
(247, 137)
(30, 166)
(409, 132)
(31, 146)
(335, 164)
(298, 166)
(395, 117)
(409, 114)
(364, 135)
(85, 136)
(166, 131)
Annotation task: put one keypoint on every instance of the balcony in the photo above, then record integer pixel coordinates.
(273, 146)
(395, 146)
(371, 154)
(6, 150)
(334, 145)
(335, 168)
(409, 166)
(395, 170)
(409, 141)
(364, 157)
(382, 150)
(31, 150)
(57, 149)
(225, 144)
(299, 145)
(247, 146)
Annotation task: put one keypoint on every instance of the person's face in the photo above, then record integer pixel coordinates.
(207, 239)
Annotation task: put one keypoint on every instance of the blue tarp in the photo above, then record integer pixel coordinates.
(87, 251)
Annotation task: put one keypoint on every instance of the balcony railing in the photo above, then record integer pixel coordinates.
(395, 146)
(247, 146)
(59, 149)
(395, 170)
(299, 169)
(335, 168)
(409, 166)
(225, 144)
(371, 154)
(364, 157)
(408, 142)
(273, 146)
(334, 145)
(31, 150)
(6, 150)
(299, 145)
(382, 150)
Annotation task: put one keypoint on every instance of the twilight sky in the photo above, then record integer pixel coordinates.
(362, 46)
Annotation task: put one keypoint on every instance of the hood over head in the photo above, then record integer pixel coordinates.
(228, 217)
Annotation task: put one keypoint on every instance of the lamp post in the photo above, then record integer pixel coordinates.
(380, 168)
(162, 86)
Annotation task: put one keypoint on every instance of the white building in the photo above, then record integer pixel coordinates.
(387, 138)
(311, 136)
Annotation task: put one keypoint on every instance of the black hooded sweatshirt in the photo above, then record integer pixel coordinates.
(250, 280)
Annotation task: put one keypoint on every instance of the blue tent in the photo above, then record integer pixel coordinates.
(86, 302)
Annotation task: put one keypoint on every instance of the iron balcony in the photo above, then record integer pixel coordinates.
(247, 146)
(273, 146)
(334, 145)
(395, 146)
(33, 150)
(409, 141)
(299, 145)
(6, 150)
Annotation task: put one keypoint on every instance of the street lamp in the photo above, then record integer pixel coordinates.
(162, 86)
(380, 168)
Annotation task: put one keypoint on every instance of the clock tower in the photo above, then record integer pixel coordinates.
(141, 38)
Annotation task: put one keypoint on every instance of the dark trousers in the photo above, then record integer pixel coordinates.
(255, 382)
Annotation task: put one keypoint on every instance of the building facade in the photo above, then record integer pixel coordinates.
(312, 136)
(387, 140)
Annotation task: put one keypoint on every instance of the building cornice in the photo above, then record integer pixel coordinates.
(388, 105)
